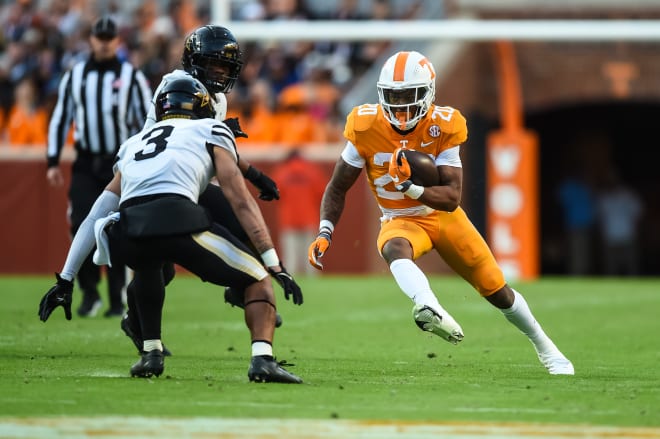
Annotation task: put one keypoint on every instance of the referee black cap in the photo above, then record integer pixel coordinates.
(105, 28)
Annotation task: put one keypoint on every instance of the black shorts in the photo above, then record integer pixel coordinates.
(215, 255)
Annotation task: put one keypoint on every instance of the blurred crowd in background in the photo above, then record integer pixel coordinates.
(288, 93)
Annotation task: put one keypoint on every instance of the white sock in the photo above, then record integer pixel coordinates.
(150, 345)
(522, 318)
(414, 283)
(261, 348)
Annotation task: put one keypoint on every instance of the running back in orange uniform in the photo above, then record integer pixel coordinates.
(375, 141)
(440, 129)
(417, 219)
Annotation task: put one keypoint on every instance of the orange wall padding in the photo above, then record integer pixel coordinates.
(35, 233)
(512, 178)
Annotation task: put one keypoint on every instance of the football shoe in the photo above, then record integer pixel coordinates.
(90, 305)
(556, 363)
(137, 340)
(265, 369)
(442, 325)
(151, 363)
(114, 312)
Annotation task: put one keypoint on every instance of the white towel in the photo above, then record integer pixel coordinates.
(102, 252)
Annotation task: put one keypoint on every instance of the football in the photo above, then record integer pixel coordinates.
(422, 167)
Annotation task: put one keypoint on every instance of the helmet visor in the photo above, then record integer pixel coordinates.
(404, 107)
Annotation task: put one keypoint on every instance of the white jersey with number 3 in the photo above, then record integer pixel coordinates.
(172, 157)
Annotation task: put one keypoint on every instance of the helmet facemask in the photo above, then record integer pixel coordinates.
(217, 75)
(212, 55)
(405, 107)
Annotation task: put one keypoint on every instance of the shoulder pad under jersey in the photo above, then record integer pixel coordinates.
(364, 116)
(450, 121)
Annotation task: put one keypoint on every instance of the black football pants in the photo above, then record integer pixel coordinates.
(215, 256)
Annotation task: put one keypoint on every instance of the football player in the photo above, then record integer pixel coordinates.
(159, 175)
(417, 219)
(212, 55)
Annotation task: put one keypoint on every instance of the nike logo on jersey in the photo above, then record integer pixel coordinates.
(425, 144)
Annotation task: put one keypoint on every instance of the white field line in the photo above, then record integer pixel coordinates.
(219, 428)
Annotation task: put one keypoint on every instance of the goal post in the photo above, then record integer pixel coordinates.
(512, 174)
(447, 29)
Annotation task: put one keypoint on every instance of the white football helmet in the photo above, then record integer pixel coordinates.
(406, 88)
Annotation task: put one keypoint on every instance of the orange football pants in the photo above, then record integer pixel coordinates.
(455, 239)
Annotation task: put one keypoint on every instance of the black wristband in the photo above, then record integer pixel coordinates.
(325, 233)
(252, 173)
(53, 162)
(404, 186)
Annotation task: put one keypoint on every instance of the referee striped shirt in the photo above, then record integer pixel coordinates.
(106, 101)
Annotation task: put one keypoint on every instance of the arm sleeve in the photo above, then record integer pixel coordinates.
(220, 106)
(84, 241)
(351, 156)
(450, 157)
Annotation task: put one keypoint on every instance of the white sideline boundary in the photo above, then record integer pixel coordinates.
(221, 428)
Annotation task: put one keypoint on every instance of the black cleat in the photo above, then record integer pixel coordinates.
(151, 363)
(137, 341)
(264, 369)
(90, 305)
(114, 312)
(237, 298)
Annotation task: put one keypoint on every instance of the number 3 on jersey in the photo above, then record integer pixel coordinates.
(157, 137)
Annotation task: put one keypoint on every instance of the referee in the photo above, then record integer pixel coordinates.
(107, 101)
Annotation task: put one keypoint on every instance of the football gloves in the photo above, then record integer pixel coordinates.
(288, 284)
(58, 295)
(235, 127)
(399, 170)
(318, 248)
(267, 187)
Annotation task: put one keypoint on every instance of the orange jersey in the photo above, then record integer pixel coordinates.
(375, 139)
(451, 234)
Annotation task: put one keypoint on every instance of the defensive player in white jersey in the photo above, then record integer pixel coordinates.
(159, 176)
(416, 219)
(212, 55)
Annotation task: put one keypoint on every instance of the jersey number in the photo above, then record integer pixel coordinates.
(444, 113)
(157, 137)
(367, 109)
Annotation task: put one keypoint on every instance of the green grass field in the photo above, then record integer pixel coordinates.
(357, 348)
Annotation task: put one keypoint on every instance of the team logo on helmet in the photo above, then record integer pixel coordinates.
(184, 98)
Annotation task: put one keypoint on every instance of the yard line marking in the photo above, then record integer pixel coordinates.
(220, 428)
